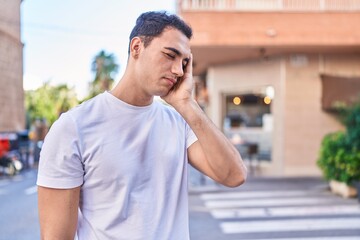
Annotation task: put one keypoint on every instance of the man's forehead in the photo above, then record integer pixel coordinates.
(174, 38)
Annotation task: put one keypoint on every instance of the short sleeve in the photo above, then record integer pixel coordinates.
(60, 163)
(190, 136)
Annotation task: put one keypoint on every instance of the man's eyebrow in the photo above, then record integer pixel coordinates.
(177, 52)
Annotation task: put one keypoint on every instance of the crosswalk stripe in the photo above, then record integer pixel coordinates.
(266, 202)
(290, 225)
(285, 211)
(31, 190)
(258, 194)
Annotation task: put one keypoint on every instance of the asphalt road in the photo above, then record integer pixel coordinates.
(18, 207)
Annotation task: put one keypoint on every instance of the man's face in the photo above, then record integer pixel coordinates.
(163, 62)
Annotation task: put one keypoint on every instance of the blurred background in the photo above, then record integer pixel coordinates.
(280, 78)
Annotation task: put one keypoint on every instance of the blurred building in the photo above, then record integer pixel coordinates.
(273, 70)
(12, 111)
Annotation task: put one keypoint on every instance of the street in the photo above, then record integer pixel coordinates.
(273, 208)
(18, 207)
(263, 208)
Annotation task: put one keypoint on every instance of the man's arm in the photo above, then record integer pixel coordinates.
(58, 212)
(213, 154)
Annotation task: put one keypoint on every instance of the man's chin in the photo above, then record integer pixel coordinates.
(162, 93)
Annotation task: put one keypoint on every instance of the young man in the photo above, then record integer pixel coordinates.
(115, 167)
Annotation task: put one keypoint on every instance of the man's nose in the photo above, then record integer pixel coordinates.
(177, 69)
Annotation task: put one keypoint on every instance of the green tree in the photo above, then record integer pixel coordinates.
(105, 67)
(49, 102)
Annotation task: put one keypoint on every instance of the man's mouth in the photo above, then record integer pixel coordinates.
(171, 80)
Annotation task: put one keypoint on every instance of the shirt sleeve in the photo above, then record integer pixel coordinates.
(60, 164)
(190, 136)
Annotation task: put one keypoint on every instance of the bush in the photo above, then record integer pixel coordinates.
(352, 123)
(340, 152)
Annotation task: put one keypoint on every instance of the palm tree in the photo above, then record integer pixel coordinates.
(105, 67)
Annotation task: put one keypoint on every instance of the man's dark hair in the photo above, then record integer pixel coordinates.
(152, 24)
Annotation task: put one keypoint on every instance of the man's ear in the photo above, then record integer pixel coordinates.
(135, 46)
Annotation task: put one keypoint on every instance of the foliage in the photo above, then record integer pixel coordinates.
(49, 102)
(340, 152)
(352, 123)
(105, 67)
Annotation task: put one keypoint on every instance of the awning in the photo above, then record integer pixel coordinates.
(338, 89)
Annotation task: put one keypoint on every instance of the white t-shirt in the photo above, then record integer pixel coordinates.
(131, 164)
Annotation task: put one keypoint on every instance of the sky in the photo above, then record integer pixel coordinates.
(62, 37)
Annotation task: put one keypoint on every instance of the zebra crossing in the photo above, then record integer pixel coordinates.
(284, 214)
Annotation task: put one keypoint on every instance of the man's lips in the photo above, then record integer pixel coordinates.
(171, 80)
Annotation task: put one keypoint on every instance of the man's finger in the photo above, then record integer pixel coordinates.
(189, 67)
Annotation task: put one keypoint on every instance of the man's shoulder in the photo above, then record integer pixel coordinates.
(86, 106)
(80, 112)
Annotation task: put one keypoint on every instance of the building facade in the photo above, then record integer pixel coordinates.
(12, 111)
(266, 65)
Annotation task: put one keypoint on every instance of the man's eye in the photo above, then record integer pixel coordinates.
(170, 55)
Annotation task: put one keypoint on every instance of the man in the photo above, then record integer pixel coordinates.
(115, 167)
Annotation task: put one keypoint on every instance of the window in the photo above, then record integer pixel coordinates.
(247, 110)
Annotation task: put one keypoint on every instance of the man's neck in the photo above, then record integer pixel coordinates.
(127, 91)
